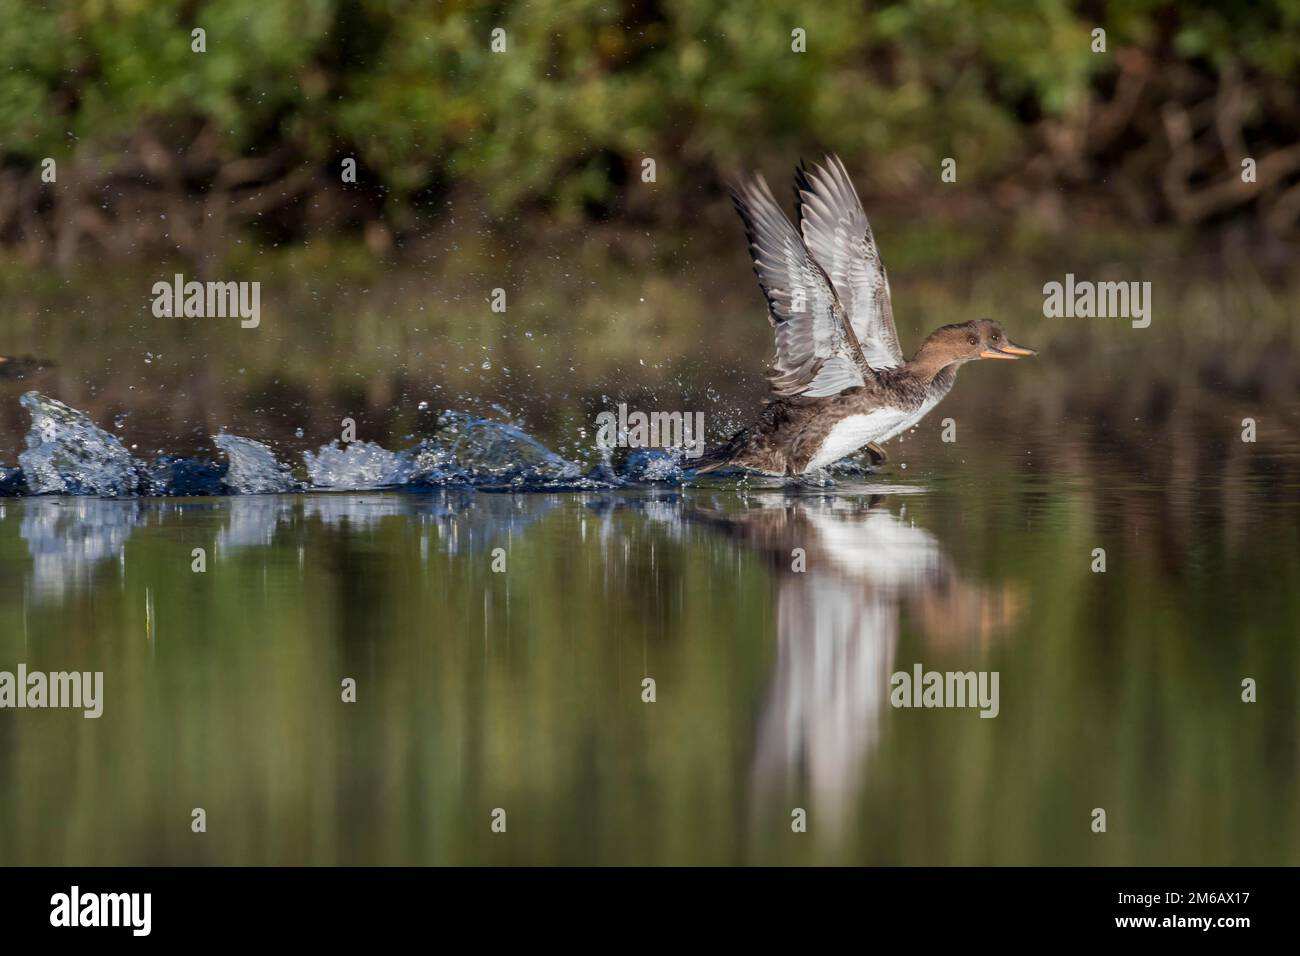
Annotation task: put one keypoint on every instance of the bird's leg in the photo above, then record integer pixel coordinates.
(878, 456)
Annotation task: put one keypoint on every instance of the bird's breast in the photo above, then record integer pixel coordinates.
(908, 419)
(852, 432)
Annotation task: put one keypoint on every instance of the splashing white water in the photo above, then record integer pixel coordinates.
(69, 454)
(254, 469)
(357, 466)
(491, 448)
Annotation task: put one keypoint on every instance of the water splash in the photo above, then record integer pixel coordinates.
(358, 466)
(254, 469)
(491, 449)
(68, 454)
(652, 464)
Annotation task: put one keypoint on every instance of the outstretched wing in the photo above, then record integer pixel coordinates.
(816, 353)
(836, 232)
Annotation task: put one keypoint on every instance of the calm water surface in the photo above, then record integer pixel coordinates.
(522, 689)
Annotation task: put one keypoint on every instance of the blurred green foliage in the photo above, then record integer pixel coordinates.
(586, 88)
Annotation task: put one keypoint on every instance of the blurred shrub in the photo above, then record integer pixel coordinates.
(587, 88)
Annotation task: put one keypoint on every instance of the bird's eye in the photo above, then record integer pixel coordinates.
(996, 337)
(972, 340)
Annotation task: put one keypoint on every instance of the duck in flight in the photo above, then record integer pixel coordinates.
(839, 380)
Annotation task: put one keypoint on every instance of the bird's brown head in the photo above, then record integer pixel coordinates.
(962, 343)
(996, 345)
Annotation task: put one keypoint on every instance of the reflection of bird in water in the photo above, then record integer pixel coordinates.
(22, 367)
(837, 634)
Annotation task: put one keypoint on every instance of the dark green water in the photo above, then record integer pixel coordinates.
(521, 689)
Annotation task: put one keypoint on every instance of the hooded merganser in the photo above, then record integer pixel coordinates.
(839, 380)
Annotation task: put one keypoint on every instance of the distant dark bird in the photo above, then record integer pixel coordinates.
(22, 367)
(839, 380)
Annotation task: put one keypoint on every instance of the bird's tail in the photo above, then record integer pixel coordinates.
(720, 456)
(710, 462)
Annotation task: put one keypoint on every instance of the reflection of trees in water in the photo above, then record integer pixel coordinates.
(837, 635)
(1159, 455)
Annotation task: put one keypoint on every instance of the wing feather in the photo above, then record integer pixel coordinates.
(816, 354)
(836, 231)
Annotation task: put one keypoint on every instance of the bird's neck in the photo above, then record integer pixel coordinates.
(929, 365)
